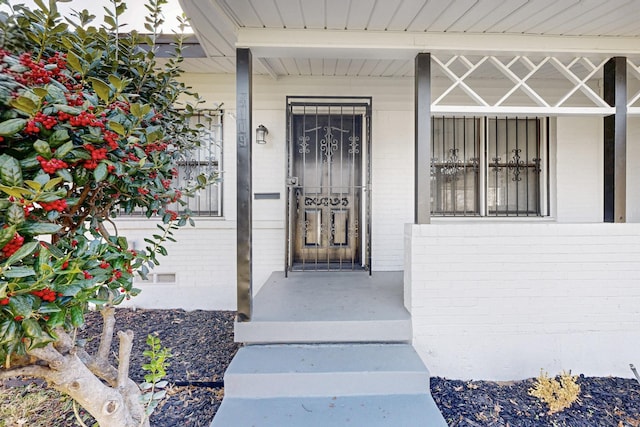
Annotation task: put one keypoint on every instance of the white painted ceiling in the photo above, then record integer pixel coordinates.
(218, 22)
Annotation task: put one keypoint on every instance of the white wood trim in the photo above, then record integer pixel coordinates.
(520, 83)
(459, 81)
(305, 43)
(580, 84)
(633, 71)
(539, 111)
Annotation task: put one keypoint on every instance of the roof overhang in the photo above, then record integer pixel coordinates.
(305, 43)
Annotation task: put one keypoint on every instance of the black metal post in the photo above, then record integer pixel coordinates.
(615, 140)
(243, 173)
(422, 155)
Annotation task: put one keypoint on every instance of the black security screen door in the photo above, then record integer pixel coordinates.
(328, 201)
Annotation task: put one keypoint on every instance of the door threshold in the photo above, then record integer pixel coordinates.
(332, 266)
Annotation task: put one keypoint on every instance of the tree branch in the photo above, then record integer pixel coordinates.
(124, 356)
(34, 371)
(108, 325)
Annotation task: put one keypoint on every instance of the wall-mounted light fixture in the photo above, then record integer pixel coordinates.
(261, 134)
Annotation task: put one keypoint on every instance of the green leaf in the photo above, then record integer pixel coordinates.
(17, 272)
(21, 305)
(14, 191)
(26, 250)
(101, 88)
(31, 328)
(49, 308)
(58, 137)
(24, 104)
(71, 290)
(56, 319)
(63, 150)
(101, 172)
(74, 62)
(6, 234)
(67, 109)
(12, 126)
(10, 171)
(15, 214)
(117, 128)
(77, 316)
(65, 175)
(122, 242)
(42, 148)
(36, 228)
(51, 184)
(116, 82)
(40, 92)
(35, 185)
(8, 329)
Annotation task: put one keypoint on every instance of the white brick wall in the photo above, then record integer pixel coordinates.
(501, 301)
(205, 258)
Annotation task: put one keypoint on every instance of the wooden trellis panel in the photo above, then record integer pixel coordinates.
(575, 75)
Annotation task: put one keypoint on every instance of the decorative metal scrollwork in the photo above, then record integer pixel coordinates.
(326, 201)
(516, 166)
(353, 231)
(496, 164)
(353, 145)
(328, 144)
(452, 166)
(303, 144)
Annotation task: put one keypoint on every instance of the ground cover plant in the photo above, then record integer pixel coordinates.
(90, 126)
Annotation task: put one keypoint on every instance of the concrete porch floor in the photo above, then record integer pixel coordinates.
(328, 307)
(328, 349)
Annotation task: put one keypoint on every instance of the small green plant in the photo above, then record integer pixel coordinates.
(558, 395)
(154, 386)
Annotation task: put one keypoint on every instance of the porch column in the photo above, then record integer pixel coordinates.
(422, 152)
(243, 173)
(615, 141)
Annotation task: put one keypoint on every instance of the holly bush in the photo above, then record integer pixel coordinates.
(90, 127)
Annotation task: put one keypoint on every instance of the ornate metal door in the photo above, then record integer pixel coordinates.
(326, 188)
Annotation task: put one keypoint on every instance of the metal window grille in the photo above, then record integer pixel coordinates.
(455, 166)
(513, 187)
(486, 166)
(207, 159)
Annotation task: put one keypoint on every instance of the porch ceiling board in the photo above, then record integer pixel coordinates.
(213, 28)
(543, 17)
(375, 37)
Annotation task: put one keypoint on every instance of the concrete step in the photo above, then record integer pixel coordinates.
(393, 410)
(325, 370)
(319, 331)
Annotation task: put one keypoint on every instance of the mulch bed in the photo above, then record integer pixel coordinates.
(603, 401)
(202, 346)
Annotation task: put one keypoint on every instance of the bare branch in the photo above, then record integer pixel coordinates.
(124, 356)
(50, 355)
(108, 325)
(100, 368)
(34, 371)
(65, 343)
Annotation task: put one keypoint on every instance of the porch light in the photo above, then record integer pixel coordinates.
(261, 134)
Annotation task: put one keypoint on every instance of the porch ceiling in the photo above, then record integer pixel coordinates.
(380, 38)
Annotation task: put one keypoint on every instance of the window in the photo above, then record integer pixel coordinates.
(486, 166)
(207, 159)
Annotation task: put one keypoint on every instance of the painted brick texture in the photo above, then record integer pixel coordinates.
(501, 301)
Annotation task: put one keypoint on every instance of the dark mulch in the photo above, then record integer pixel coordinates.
(603, 401)
(202, 346)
